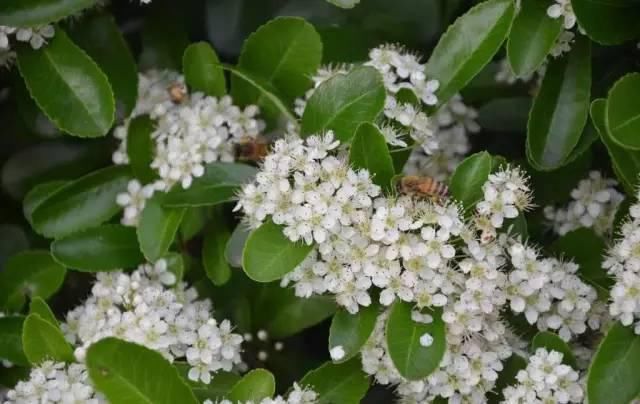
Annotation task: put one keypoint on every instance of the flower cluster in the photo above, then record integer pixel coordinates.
(401, 70)
(141, 308)
(593, 204)
(297, 395)
(545, 380)
(35, 36)
(564, 9)
(623, 263)
(55, 382)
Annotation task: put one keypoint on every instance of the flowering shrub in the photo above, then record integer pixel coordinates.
(317, 202)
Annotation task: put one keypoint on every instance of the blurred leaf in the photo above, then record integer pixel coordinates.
(283, 53)
(11, 340)
(505, 114)
(560, 109)
(175, 264)
(622, 113)
(215, 264)
(164, 38)
(413, 360)
(369, 151)
(41, 308)
(615, 368)
(27, 13)
(468, 45)
(532, 37)
(343, 102)
(193, 222)
(129, 373)
(345, 44)
(235, 245)
(42, 341)
(351, 331)
(68, 86)
(219, 184)
(256, 385)
(468, 178)
(109, 247)
(31, 273)
(343, 383)
(12, 240)
(39, 194)
(158, 227)
(140, 148)
(101, 38)
(552, 342)
(608, 21)
(268, 254)
(202, 70)
(83, 203)
(344, 3)
(555, 186)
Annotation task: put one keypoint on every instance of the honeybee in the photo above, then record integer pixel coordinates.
(423, 186)
(177, 92)
(252, 149)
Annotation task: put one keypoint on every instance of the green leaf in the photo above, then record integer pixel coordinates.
(164, 38)
(11, 340)
(413, 360)
(268, 254)
(532, 36)
(343, 383)
(560, 109)
(468, 45)
(369, 151)
(101, 38)
(41, 308)
(343, 102)
(202, 70)
(68, 86)
(158, 227)
(217, 389)
(552, 342)
(622, 112)
(44, 341)
(83, 203)
(586, 248)
(28, 13)
(254, 386)
(615, 368)
(31, 273)
(468, 178)
(284, 53)
(219, 184)
(608, 21)
(505, 114)
(351, 331)
(109, 247)
(127, 373)
(39, 194)
(213, 247)
(140, 148)
(626, 163)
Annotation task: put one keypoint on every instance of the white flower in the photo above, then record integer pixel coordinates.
(337, 352)
(426, 340)
(563, 9)
(563, 44)
(133, 201)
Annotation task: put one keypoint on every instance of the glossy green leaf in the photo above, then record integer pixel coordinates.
(552, 342)
(158, 227)
(141, 148)
(626, 163)
(468, 45)
(254, 386)
(284, 53)
(219, 184)
(343, 383)
(615, 368)
(11, 340)
(343, 102)
(468, 178)
(27, 13)
(219, 387)
(83, 203)
(109, 247)
(213, 248)
(202, 70)
(622, 112)
(41, 308)
(505, 114)
(100, 37)
(31, 273)
(369, 151)
(268, 254)
(351, 331)
(39, 194)
(128, 373)
(413, 360)
(560, 109)
(608, 21)
(42, 341)
(532, 36)
(68, 86)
